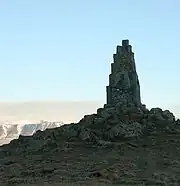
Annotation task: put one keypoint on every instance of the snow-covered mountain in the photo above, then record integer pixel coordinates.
(9, 131)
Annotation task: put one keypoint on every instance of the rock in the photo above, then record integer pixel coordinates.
(178, 122)
(155, 114)
(175, 127)
(104, 143)
(87, 120)
(144, 109)
(126, 131)
(87, 135)
(127, 122)
(105, 113)
(156, 110)
(164, 178)
(168, 116)
(70, 130)
(134, 113)
(150, 125)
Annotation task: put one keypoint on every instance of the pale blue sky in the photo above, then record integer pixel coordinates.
(62, 49)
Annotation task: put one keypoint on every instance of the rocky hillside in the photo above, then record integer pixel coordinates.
(123, 143)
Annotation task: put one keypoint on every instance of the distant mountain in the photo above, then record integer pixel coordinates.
(9, 131)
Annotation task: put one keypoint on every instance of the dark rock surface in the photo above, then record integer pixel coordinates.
(123, 143)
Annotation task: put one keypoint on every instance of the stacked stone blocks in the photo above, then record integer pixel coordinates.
(124, 85)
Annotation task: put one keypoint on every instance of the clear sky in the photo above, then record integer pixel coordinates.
(62, 49)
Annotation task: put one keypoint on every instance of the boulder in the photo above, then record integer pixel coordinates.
(87, 135)
(166, 114)
(155, 114)
(123, 130)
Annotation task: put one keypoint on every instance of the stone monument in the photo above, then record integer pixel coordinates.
(124, 85)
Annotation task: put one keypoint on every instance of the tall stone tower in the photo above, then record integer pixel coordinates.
(123, 81)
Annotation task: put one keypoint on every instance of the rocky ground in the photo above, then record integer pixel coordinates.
(119, 145)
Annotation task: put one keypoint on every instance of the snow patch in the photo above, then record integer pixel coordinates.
(10, 131)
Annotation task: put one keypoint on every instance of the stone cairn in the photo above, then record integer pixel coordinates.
(122, 117)
(124, 85)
